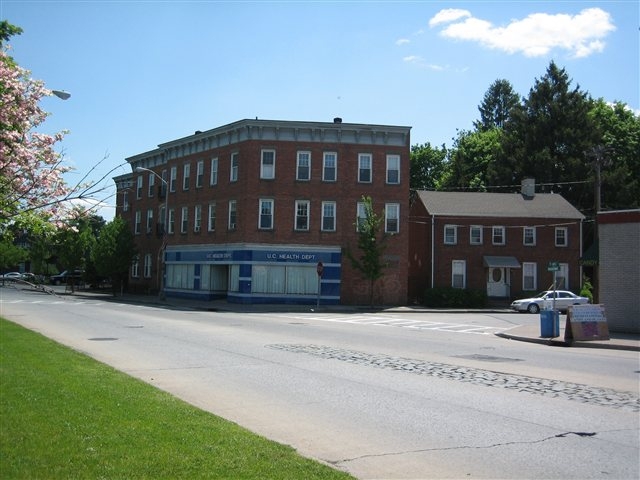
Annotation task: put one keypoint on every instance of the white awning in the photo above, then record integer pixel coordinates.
(501, 262)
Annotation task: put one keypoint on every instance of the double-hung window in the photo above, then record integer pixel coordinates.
(172, 221)
(498, 235)
(529, 236)
(186, 176)
(361, 215)
(393, 169)
(149, 220)
(392, 218)
(458, 274)
(266, 214)
(135, 267)
(139, 187)
(212, 217)
(475, 235)
(302, 215)
(147, 265)
(450, 234)
(330, 166)
(233, 173)
(125, 201)
(184, 222)
(213, 179)
(328, 216)
(152, 183)
(529, 274)
(268, 164)
(199, 174)
(197, 218)
(562, 237)
(173, 179)
(138, 222)
(163, 187)
(303, 167)
(364, 168)
(233, 215)
(161, 227)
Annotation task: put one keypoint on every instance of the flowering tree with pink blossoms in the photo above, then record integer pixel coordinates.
(31, 170)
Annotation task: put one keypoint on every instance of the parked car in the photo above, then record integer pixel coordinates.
(12, 276)
(65, 276)
(544, 300)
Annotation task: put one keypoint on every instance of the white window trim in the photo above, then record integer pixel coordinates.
(524, 236)
(455, 234)
(186, 176)
(324, 166)
(322, 217)
(464, 273)
(271, 213)
(213, 176)
(173, 179)
(184, 220)
(362, 157)
(504, 235)
(566, 237)
(361, 214)
(388, 207)
(138, 222)
(389, 158)
(147, 265)
(308, 154)
(171, 220)
(199, 174)
(471, 229)
(139, 187)
(211, 219)
(232, 225)
(152, 183)
(149, 220)
(197, 218)
(295, 215)
(535, 276)
(233, 170)
(263, 174)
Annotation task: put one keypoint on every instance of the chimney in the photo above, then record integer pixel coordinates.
(337, 120)
(528, 188)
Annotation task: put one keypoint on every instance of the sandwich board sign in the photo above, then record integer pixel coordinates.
(586, 322)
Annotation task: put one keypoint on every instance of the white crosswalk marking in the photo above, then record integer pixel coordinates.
(397, 321)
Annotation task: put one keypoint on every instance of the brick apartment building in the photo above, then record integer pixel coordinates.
(501, 243)
(252, 208)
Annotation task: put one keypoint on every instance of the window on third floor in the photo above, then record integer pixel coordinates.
(268, 164)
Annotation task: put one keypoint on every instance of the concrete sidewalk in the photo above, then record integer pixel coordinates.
(531, 334)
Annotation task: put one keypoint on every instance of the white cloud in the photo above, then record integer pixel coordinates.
(448, 15)
(402, 41)
(536, 35)
(419, 61)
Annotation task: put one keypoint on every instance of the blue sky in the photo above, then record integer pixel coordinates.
(142, 73)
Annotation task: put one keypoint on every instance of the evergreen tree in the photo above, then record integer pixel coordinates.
(497, 105)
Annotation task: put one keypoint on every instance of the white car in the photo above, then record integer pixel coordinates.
(544, 300)
(12, 276)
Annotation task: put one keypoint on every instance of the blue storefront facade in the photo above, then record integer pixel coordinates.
(254, 273)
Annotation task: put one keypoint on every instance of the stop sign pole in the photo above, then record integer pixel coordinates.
(319, 270)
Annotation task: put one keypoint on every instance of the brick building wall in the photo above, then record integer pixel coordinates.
(246, 141)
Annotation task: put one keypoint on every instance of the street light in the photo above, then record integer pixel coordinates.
(61, 94)
(164, 227)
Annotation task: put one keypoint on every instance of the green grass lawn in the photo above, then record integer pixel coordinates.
(64, 415)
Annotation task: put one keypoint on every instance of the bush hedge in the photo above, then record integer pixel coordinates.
(449, 297)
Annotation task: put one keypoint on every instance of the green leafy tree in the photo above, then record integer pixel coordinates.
(74, 244)
(618, 130)
(472, 160)
(427, 165)
(371, 246)
(10, 253)
(114, 252)
(497, 105)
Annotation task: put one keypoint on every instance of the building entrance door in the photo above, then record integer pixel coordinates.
(498, 282)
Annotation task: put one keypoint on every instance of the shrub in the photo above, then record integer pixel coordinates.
(449, 297)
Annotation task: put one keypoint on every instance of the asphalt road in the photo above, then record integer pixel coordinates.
(379, 395)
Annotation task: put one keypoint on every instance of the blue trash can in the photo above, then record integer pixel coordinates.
(549, 323)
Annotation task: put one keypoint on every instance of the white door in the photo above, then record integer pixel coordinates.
(497, 282)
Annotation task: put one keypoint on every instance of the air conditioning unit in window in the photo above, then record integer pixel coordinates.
(196, 229)
(232, 226)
